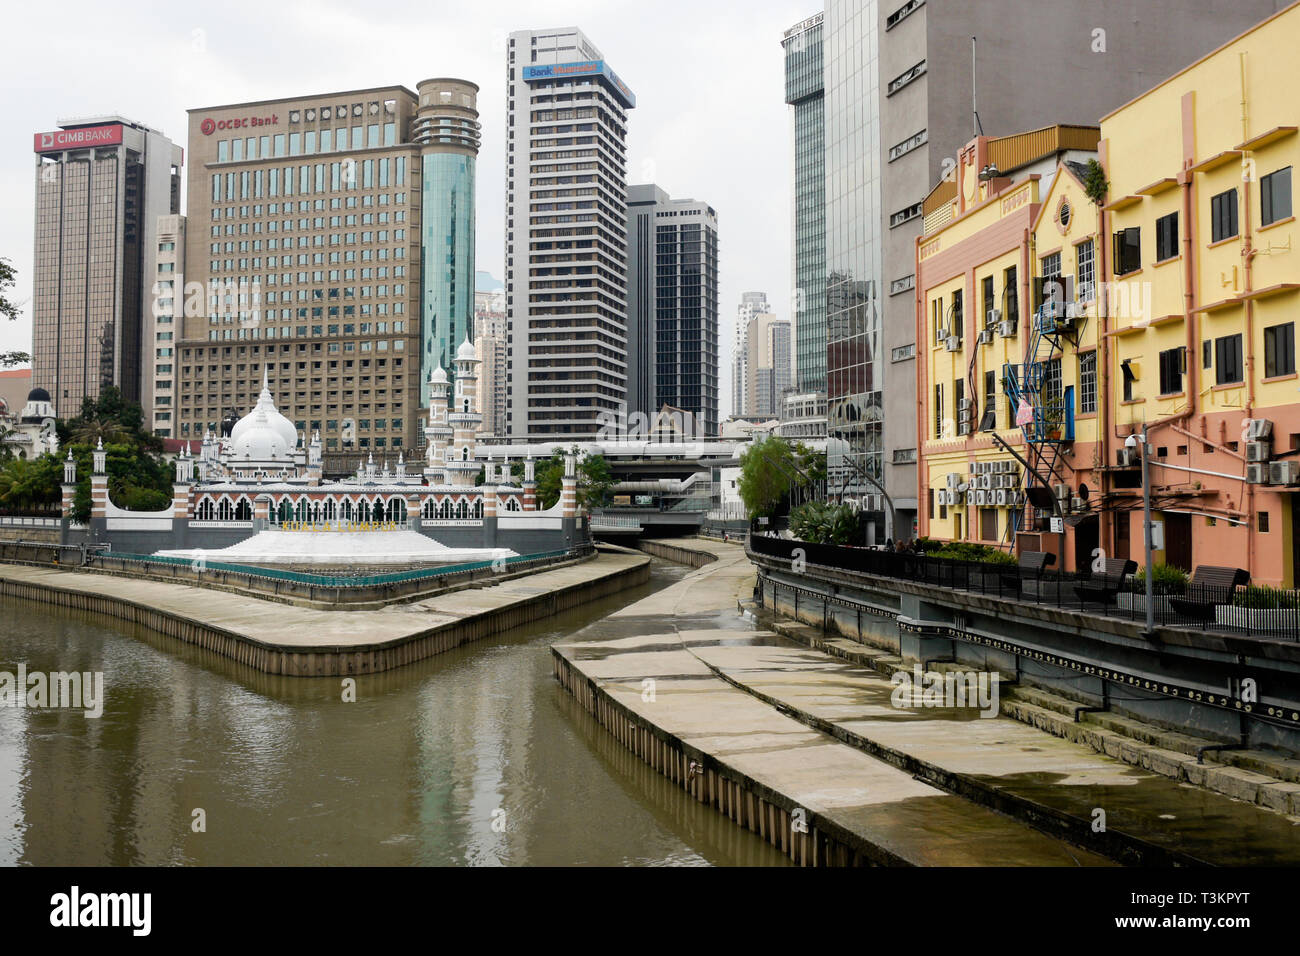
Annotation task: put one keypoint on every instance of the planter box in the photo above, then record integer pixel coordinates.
(1128, 601)
(1258, 619)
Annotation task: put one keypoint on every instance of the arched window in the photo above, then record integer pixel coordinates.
(462, 509)
(430, 508)
(346, 509)
(363, 510)
(285, 511)
(467, 406)
(397, 510)
(244, 510)
(512, 504)
(444, 509)
(225, 510)
(478, 508)
(205, 510)
(302, 512)
(331, 509)
(315, 511)
(464, 453)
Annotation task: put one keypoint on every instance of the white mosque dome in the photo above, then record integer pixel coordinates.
(439, 377)
(260, 439)
(265, 415)
(466, 352)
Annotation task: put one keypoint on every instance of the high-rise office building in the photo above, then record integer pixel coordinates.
(333, 235)
(566, 234)
(804, 91)
(161, 325)
(672, 354)
(490, 347)
(101, 184)
(768, 364)
(898, 100)
(751, 304)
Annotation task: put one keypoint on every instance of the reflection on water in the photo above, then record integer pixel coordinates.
(473, 757)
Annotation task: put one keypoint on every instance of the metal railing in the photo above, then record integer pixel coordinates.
(1268, 613)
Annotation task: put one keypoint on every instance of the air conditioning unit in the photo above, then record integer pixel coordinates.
(1257, 473)
(1007, 328)
(1284, 472)
(1000, 496)
(1078, 504)
(1259, 429)
(986, 337)
(1257, 450)
(952, 344)
(980, 496)
(994, 317)
(954, 479)
(951, 497)
(1062, 492)
(1128, 457)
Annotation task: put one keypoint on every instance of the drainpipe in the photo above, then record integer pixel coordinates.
(922, 388)
(1105, 526)
(1248, 254)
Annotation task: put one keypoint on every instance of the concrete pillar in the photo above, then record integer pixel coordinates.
(568, 497)
(261, 512)
(413, 512)
(98, 496)
(181, 502)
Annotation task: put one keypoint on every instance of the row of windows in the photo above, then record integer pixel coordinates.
(1223, 355)
(1275, 205)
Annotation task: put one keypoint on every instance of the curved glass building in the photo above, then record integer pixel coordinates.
(448, 132)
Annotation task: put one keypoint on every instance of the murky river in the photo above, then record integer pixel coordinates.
(473, 757)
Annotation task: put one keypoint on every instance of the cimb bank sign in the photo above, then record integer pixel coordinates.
(82, 138)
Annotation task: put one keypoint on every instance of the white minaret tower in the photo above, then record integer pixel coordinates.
(437, 433)
(464, 419)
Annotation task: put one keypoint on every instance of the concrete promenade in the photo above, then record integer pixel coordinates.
(301, 641)
(801, 729)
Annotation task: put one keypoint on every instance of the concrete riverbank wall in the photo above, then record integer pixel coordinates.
(679, 551)
(305, 642)
(1181, 680)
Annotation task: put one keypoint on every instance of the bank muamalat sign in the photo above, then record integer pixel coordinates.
(210, 126)
(78, 138)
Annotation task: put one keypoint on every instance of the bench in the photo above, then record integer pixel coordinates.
(1105, 584)
(1029, 567)
(1209, 586)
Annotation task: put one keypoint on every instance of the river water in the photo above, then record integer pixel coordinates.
(473, 757)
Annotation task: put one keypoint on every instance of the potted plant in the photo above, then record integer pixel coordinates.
(1259, 607)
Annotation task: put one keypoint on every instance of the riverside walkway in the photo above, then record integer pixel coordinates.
(787, 728)
(300, 641)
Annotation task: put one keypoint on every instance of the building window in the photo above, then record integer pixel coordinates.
(989, 299)
(1167, 237)
(1275, 196)
(936, 312)
(1051, 266)
(1128, 250)
(1263, 522)
(938, 410)
(989, 421)
(905, 215)
(1126, 372)
(1120, 545)
(1088, 383)
(1227, 360)
(1011, 295)
(958, 322)
(1085, 271)
(1279, 350)
(1223, 215)
(900, 81)
(1172, 366)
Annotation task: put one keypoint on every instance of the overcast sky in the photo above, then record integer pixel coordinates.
(710, 121)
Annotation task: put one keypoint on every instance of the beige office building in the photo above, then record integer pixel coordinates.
(304, 233)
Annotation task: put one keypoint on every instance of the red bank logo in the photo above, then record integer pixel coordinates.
(77, 138)
(210, 126)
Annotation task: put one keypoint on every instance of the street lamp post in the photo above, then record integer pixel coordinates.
(1130, 443)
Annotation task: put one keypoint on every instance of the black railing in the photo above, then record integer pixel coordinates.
(1267, 613)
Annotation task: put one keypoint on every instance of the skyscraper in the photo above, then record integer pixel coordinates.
(566, 234)
(490, 347)
(898, 101)
(751, 304)
(312, 224)
(768, 364)
(101, 184)
(804, 91)
(447, 128)
(672, 351)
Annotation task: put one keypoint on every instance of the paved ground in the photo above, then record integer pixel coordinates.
(290, 626)
(691, 639)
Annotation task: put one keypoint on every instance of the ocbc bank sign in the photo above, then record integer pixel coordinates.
(210, 126)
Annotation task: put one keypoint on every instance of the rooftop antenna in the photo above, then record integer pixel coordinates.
(977, 127)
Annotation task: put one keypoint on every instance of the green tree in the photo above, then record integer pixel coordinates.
(595, 480)
(10, 359)
(770, 469)
(8, 308)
